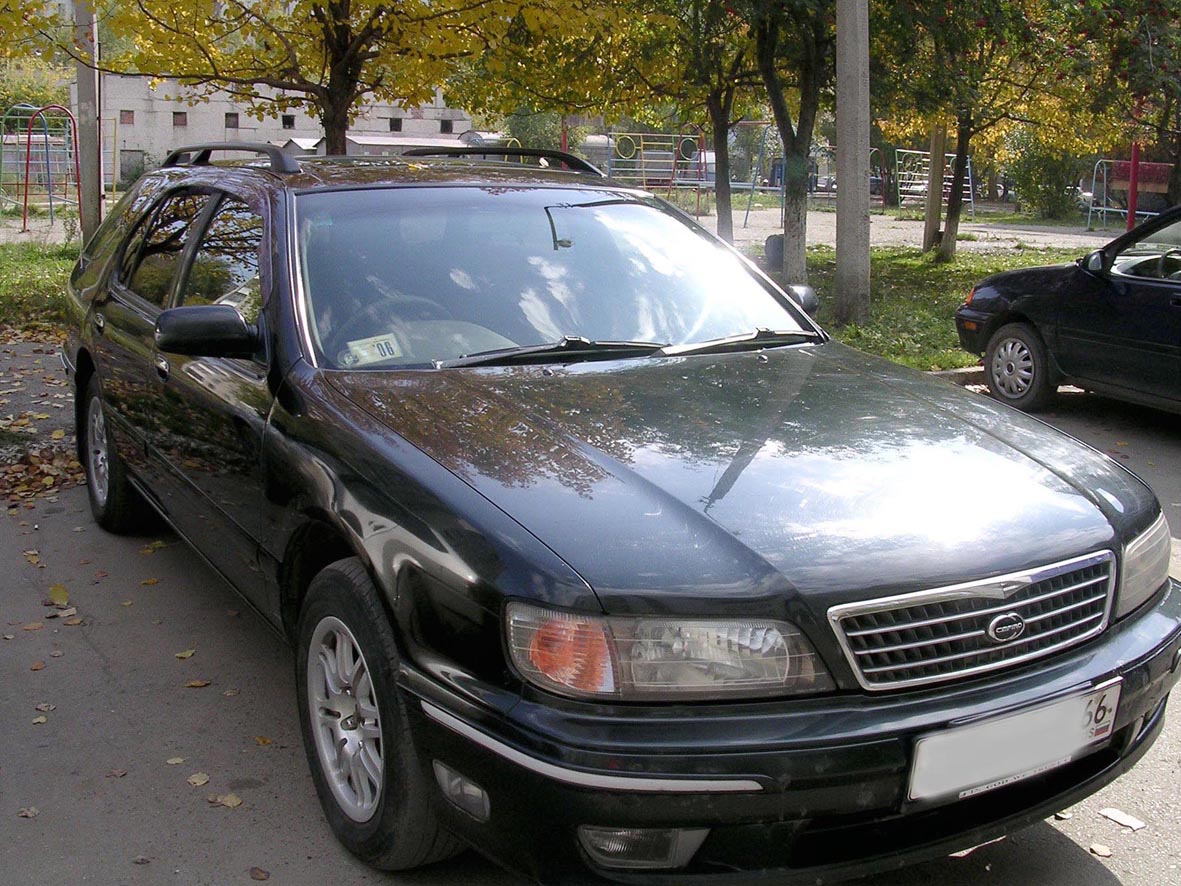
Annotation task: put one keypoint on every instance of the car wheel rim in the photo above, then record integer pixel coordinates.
(97, 464)
(1012, 368)
(345, 719)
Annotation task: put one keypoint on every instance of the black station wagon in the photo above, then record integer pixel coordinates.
(597, 553)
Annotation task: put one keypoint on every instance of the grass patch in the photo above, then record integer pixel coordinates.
(33, 284)
(912, 299)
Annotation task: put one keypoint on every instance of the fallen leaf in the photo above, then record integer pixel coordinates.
(174, 761)
(229, 801)
(188, 653)
(259, 874)
(28, 812)
(232, 613)
(196, 684)
(57, 653)
(10, 636)
(46, 708)
(58, 434)
(116, 773)
(197, 779)
(1122, 818)
(262, 741)
(140, 859)
(125, 603)
(1100, 850)
(230, 693)
(72, 622)
(99, 575)
(33, 626)
(37, 721)
(58, 595)
(66, 613)
(33, 557)
(37, 666)
(148, 582)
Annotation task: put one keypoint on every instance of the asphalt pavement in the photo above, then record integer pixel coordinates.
(151, 737)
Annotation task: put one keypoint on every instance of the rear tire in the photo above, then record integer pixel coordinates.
(1018, 369)
(372, 788)
(116, 505)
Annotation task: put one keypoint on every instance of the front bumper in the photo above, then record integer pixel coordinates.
(974, 328)
(811, 790)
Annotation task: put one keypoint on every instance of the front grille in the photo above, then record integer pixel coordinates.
(962, 630)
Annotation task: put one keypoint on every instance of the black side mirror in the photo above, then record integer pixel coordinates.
(206, 331)
(805, 297)
(1095, 262)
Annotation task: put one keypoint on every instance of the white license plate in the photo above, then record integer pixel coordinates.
(968, 760)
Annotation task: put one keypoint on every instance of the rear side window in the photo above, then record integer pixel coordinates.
(154, 252)
(113, 229)
(225, 267)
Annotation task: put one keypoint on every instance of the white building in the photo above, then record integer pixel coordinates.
(142, 123)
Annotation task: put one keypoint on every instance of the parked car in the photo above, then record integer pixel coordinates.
(1110, 323)
(596, 552)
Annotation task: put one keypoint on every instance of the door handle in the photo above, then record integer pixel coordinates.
(100, 322)
(162, 366)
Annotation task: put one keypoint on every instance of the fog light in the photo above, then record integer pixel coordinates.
(641, 847)
(463, 792)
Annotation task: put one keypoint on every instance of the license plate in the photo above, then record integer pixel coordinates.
(968, 760)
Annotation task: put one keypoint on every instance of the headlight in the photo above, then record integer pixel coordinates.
(1145, 566)
(661, 658)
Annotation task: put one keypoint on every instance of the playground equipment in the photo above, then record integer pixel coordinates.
(1112, 178)
(39, 159)
(653, 161)
(912, 171)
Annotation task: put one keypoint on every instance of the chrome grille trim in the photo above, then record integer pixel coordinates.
(1090, 615)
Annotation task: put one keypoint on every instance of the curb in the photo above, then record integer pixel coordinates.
(972, 375)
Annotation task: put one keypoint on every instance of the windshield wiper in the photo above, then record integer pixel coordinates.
(760, 338)
(567, 347)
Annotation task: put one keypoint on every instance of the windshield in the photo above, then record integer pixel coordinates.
(410, 276)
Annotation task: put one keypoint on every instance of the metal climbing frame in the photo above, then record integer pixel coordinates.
(668, 161)
(1112, 176)
(39, 158)
(912, 170)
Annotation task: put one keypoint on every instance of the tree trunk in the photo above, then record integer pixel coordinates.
(955, 200)
(719, 118)
(335, 117)
(795, 215)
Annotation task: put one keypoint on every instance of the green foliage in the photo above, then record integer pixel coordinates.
(542, 129)
(1044, 176)
(33, 283)
(913, 299)
(33, 82)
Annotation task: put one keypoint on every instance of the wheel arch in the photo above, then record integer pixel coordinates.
(84, 369)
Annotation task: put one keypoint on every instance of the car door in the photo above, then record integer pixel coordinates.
(1125, 332)
(213, 410)
(124, 320)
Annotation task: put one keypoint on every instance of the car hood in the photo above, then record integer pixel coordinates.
(731, 478)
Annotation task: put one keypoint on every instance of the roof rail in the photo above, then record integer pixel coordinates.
(570, 160)
(280, 162)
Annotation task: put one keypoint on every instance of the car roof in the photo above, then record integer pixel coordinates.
(299, 173)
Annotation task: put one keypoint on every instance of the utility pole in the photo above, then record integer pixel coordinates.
(89, 141)
(852, 273)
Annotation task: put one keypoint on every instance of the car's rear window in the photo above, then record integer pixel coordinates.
(408, 276)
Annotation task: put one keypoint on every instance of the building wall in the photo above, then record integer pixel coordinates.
(141, 123)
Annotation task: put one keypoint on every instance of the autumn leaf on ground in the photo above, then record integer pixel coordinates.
(33, 626)
(45, 707)
(37, 721)
(58, 595)
(99, 575)
(57, 653)
(196, 684)
(125, 603)
(188, 653)
(58, 434)
(197, 779)
(230, 693)
(148, 582)
(116, 773)
(262, 741)
(66, 613)
(259, 874)
(33, 557)
(73, 622)
(37, 666)
(229, 801)
(174, 761)
(28, 812)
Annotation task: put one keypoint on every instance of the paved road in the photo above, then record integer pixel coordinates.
(113, 809)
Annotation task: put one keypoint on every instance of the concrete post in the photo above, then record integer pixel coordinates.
(935, 188)
(89, 141)
(852, 272)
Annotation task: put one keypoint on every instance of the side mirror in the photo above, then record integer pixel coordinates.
(206, 331)
(805, 297)
(1095, 262)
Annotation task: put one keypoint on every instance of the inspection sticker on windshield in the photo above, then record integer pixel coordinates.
(370, 350)
(969, 760)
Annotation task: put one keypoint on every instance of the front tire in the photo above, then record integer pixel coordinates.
(1018, 369)
(355, 730)
(114, 502)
